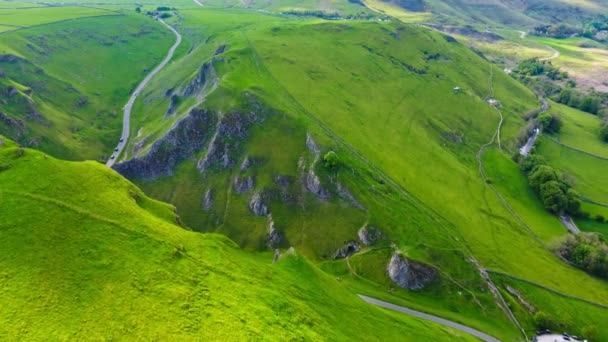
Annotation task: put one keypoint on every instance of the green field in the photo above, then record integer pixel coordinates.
(588, 171)
(580, 130)
(43, 15)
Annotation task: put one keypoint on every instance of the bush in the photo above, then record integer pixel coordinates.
(331, 160)
(600, 218)
(543, 321)
(165, 15)
(587, 251)
(550, 123)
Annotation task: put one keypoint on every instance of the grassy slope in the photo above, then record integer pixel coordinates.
(590, 179)
(63, 51)
(407, 116)
(107, 254)
(575, 314)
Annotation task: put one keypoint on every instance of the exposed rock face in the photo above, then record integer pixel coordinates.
(350, 248)
(16, 124)
(273, 238)
(232, 129)
(277, 256)
(313, 185)
(409, 274)
(207, 200)
(521, 299)
(257, 206)
(181, 142)
(172, 105)
(347, 196)
(220, 50)
(312, 145)
(205, 74)
(9, 58)
(242, 185)
(284, 182)
(369, 235)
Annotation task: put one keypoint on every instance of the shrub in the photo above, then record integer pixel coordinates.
(600, 218)
(587, 251)
(331, 160)
(550, 123)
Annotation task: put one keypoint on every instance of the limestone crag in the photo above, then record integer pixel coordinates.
(409, 274)
(369, 235)
(257, 205)
(350, 248)
(182, 142)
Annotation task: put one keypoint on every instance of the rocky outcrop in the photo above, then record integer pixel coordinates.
(273, 238)
(17, 126)
(521, 299)
(185, 138)
(9, 58)
(409, 274)
(369, 235)
(350, 248)
(220, 50)
(284, 183)
(232, 129)
(173, 103)
(243, 185)
(312, 145)
(313, 185)
(204, 75)
(257, 205)
(347, 196)
(207, 200)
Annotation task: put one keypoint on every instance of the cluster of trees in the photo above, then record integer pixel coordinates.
(554, 190)
(594, 28)
(550, 123)
(587, 251)
(332, 15)
(557, 85)
(557, 31)
(535, 67)
(590, 103)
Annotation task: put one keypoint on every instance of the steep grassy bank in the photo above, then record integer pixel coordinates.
(82, 246)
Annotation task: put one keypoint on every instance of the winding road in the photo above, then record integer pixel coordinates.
(124, 138)
(431, 318)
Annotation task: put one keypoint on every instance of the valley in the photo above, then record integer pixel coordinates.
(302, 155)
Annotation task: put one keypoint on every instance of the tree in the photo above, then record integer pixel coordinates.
(573, 202)
(331, 160)
(590, 105)
(530, 163)
(604, 132)
(553, 197)
(550, 123)
(138, 9)
(541, 175)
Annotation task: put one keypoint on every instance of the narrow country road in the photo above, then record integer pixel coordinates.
(522, 34)
(198, 2)
(431, 318)
(569, 224)
(127, 109)
(525, 150)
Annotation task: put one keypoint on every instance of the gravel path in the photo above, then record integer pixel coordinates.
(127, 109)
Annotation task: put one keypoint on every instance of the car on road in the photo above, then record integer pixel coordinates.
(112, 157)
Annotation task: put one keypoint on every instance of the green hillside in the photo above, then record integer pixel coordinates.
(57, 97)
(358, 143)
(106, 253)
